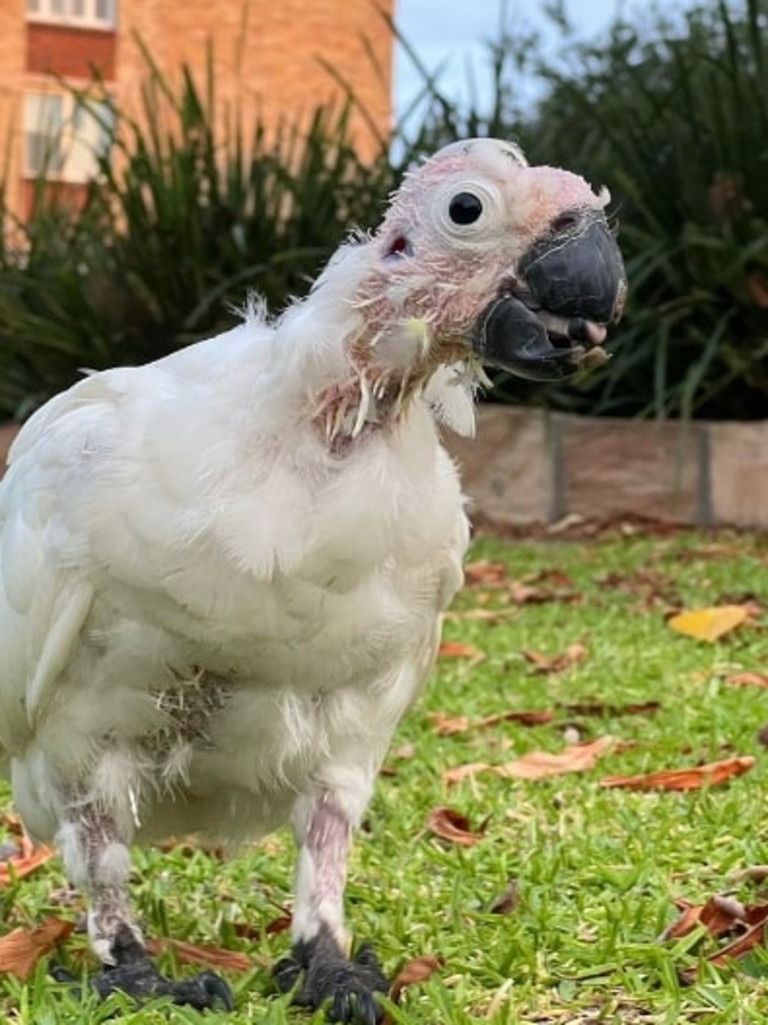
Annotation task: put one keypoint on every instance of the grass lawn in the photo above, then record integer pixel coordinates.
(594, 870)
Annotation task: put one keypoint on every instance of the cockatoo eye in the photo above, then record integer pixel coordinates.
(465, 208)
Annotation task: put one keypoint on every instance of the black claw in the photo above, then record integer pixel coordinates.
(140, 979)
(202, 991)
(347, 988)
(286, 973)
(59, 973)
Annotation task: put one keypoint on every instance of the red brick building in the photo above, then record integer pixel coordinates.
(271, 56)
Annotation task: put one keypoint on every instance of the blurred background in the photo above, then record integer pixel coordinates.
(161, 161)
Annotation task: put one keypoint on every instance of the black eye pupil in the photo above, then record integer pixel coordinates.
(465, 208)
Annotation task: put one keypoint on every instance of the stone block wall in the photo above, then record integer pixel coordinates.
(531, 467)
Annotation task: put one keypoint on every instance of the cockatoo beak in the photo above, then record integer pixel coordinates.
(550, 319)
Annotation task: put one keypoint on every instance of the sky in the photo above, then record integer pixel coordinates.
(451, 32)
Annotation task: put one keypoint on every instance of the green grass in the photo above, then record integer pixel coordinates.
(596, 869)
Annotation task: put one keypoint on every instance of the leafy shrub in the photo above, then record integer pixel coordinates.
(671, 112)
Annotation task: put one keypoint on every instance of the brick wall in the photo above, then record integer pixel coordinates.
(268, 55)
(70, 52)
(13, 55)
(268, 59)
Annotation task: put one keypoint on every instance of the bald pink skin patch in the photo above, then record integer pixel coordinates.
(321, 872)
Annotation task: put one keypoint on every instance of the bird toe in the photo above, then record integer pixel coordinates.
(347, 989)
(142, 980)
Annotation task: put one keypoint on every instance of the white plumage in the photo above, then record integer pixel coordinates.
(222, 572)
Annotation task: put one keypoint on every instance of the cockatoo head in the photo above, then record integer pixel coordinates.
(480, 253)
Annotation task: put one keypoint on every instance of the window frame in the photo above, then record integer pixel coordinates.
(45, 14)
(69, 160)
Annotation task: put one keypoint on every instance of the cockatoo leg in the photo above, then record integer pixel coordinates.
(347, 987)
(97, 861)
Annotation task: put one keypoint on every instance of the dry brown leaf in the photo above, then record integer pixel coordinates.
(541, 764)
(533, 717)
(485, 573)
(11, 821)
(752, 679)
(247, 931)
(462, 772)
(720, 915)
(753, 937)
(413, 972)
(480, 615)
(21, 949)
(555, 663)
(710, 624)
(456, 649)
(25, 861)
(451, 825)
(693, 778)
(757, 284)
(557, 577)
(446, 725)
(211, 957)
(507, 901)
(600, 708)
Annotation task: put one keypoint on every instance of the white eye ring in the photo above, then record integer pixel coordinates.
(466, 211)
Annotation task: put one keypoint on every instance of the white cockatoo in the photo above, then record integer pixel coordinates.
(222, 573)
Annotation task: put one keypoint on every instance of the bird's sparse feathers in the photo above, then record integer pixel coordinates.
(222, 573)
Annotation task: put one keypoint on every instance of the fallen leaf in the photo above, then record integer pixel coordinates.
(541, 764)
(418, 970)
(693, 778)
(753, 937)
(555, 663)
(507, 901)
(480, 615)
(558, 577)
(404, 752)
(523, 592)
(533, 717)
(709, 624)
(26, 860)
(11, 821)
(21, 949)
(600, 708)
(720, 915)
(451, 825)
(757, 285)
(446, 725)
(462, 772)
(752, 679)
(485, 573)
(455, 649)
(211, 957)
(247, 931)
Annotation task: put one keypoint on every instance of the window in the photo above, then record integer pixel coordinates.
(64, 136)
(43, 124)
(79, 13)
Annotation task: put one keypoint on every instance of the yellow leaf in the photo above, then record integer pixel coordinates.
(710, 624)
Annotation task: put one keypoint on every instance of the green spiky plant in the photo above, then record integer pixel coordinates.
(188, 214)
(671, 112)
